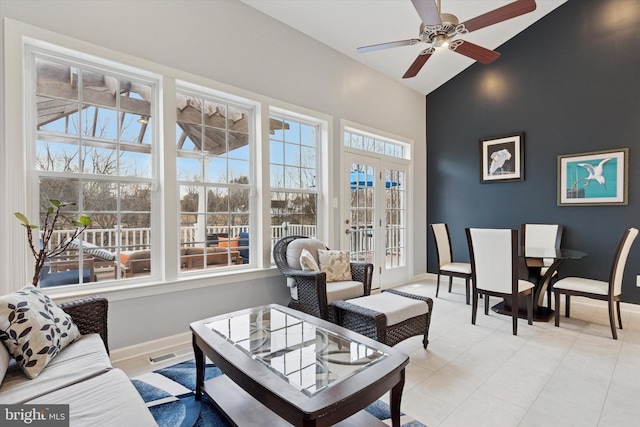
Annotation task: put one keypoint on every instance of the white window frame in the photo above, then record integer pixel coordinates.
(13, 248)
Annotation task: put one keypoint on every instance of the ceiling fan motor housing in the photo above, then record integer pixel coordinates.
(439, 35)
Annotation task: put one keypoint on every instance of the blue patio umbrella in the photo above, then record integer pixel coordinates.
(363, 179)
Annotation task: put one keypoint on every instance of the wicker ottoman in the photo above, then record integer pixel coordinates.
(388, 317)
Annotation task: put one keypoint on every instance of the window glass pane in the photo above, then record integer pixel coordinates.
(135, 164)
(99, 88)
(134, 128)
(108, 137)
(292, 154)
(215, 141)
(216, 170)
(100, 161)
(241, 153)
(292, 177)
(277, 176)
(189, 199)
(189, 109)
(99, 122)
(293, 167)
(238, 171)
(276, 152)
(308, 135)
(222, 146)
(57, 115)
(215, 114)
(292, 134)
(57, 156)
(189, 169)
(238, 120)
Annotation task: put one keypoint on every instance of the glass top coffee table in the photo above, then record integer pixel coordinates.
(284, 367)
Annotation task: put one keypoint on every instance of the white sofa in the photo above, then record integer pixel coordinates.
(81, 375)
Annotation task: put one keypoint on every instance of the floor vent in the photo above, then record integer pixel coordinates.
(172, 355)
(162, 358)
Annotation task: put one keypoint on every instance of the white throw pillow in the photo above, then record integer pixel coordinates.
(336, 264)
(34, 329)
(308, 262)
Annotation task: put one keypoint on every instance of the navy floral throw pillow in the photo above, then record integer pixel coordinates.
(34, 329)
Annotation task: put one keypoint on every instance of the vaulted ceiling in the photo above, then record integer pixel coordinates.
(346, 25)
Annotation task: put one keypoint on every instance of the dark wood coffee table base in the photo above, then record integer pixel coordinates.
(241, 409)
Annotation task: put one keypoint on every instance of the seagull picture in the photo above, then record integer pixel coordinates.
(497, 160)
(595, 173)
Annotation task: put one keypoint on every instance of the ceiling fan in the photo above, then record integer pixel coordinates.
(439, 30)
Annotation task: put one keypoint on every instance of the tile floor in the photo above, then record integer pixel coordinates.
(482, 375)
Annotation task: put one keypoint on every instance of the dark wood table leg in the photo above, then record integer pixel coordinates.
(396, 397)
(199, 356)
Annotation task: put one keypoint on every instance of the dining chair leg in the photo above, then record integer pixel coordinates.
(438, 285)
(612, 320)
(549, 296)
(450, 283)
(619, 315)
(514, 315)
(474, 307)
(486, 304)
(556, 295)
(567, 305)
(468, 290)
(530, 309)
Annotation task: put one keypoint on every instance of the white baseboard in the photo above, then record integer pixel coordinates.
(152, 348)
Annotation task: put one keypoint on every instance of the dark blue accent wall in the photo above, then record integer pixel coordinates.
(571, 83)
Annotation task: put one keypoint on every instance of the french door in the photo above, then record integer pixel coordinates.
(374, 216)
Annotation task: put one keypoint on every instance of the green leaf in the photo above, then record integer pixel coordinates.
(50, 210)
(22, 218)
(85, 220)
(55, 203)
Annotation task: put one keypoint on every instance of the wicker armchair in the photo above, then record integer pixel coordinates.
(89, 315)
(309, 288)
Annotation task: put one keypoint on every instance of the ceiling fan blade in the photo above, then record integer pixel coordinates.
(417, 65)
(374, 47)
(517, 8)
(473, 51)
(428, 11)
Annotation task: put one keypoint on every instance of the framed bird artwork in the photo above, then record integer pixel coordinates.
(502, 158)
(595, 178)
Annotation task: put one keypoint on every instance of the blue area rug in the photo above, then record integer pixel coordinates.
(169, 394)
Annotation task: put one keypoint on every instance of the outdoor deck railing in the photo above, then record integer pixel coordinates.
(132, 239)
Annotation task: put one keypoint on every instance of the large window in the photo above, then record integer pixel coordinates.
(293, 151)
(213, 169)
(94, 147)
(167, 167)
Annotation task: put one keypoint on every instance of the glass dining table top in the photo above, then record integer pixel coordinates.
(530, 252)
(307, 356)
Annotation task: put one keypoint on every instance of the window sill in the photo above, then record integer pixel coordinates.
(117, 291)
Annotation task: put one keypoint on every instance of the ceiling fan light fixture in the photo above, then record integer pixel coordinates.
(440, 41)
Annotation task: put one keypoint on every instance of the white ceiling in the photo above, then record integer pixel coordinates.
(348, 24)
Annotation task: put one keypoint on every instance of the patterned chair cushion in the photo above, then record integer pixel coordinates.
(308, 261)
(336, 264)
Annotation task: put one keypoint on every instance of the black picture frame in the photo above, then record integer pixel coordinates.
(502, 158)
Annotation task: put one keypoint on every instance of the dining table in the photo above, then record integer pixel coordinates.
(532, 262)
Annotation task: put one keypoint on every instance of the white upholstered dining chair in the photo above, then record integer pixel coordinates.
(446, 265)
(494, 266)
(544, 236)
(609, 291)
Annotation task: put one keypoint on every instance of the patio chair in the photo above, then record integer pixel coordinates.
(63, 270)
(310, 290)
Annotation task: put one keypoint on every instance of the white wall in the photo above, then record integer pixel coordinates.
(229, 42)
